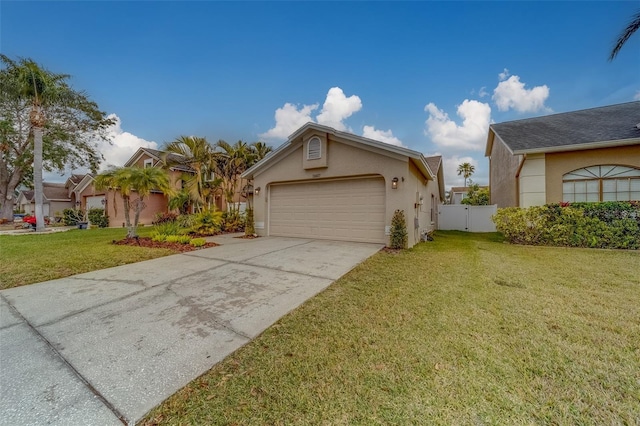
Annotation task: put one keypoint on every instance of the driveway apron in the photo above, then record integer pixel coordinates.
(107, 346)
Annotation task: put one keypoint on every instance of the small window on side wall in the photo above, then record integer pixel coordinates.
(148, 163)
(314, 149)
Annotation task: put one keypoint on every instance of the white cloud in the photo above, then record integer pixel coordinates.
(636, 97)
(511, 93)
(124, 145)
(289, 119)
(385, 136)
(472, 134)
(504, 74)
(337, 108)
(483, 92)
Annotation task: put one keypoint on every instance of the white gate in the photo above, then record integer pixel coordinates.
(461, 217)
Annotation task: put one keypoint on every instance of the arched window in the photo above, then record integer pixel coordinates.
(314, 149)
(601, 183)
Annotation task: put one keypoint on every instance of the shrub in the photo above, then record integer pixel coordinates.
(97, 218)
(233, 221)
(71, 217)
(207, 222)
(249, 227)
(159, 237)
(198, 242)
(398, 230)
(185, 220)
(164, 218)
(182, 239)
(597, 225)
(167, 228)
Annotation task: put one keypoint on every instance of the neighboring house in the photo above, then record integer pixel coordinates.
(324, 183)
(55, 199)
(587, 155)
(459, 193)
(83, 194)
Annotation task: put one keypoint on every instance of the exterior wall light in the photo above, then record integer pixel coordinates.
(256, 191)
(394, 183)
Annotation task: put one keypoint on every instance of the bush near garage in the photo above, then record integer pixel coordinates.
(97, 218)
(612, 225)
(71, 217)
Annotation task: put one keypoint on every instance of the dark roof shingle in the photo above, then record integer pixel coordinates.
(609, 123)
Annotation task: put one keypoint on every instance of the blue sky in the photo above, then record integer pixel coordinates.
(428, 75)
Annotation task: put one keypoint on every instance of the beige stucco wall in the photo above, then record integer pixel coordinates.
(532, 181)
(558, 164)
(503, 167)
(347, 159)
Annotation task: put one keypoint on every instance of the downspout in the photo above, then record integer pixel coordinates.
(524, 157)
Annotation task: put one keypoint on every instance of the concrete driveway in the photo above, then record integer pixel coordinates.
(106, 347)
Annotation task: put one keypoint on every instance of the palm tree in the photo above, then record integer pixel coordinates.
(259, 150)
(200, 156)
(128, 180)
(232, 160)
(466, 169)
(633, 26)
(42, 89)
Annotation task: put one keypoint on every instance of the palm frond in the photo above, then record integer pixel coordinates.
(633, 26)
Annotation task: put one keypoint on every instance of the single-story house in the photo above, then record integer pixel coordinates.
(587, 155)
(55, 199)
(325, 183)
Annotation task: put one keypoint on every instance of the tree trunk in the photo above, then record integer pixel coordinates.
(37, 177)
(127, 219)
(136, 218)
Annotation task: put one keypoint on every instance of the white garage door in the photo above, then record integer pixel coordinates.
(349, 210)
(95, 202)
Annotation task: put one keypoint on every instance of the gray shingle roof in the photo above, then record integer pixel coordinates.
(609, 123)
(50, 191)
(434, 163)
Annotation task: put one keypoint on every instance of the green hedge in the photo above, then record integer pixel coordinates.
(599, 225)
(97, 218)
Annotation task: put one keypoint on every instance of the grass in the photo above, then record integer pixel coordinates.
(462, 330)
(30, 258)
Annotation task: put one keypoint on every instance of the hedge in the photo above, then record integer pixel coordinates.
(613, 224)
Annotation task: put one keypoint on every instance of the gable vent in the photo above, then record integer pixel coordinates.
(314, 147)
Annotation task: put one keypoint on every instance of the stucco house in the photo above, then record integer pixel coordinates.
(324, 183)
(54, 199)
(586, 155)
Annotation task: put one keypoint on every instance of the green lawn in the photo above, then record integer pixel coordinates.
(463, 330)
(26, 259)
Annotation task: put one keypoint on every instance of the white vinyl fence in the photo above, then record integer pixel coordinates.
(461, 217)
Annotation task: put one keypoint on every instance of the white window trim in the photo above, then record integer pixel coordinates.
(148, 162)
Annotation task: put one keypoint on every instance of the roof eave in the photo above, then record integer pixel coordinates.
(579, 147)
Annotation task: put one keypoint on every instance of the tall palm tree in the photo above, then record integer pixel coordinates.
(631, 28)
(466, 170)
(200, 156)
(42, 89)
(126, 181)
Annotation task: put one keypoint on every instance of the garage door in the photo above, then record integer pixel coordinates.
(349, 210)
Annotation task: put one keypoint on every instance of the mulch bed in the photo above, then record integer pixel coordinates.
(148, 242)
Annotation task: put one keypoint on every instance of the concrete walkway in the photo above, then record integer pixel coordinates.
(105, 347)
